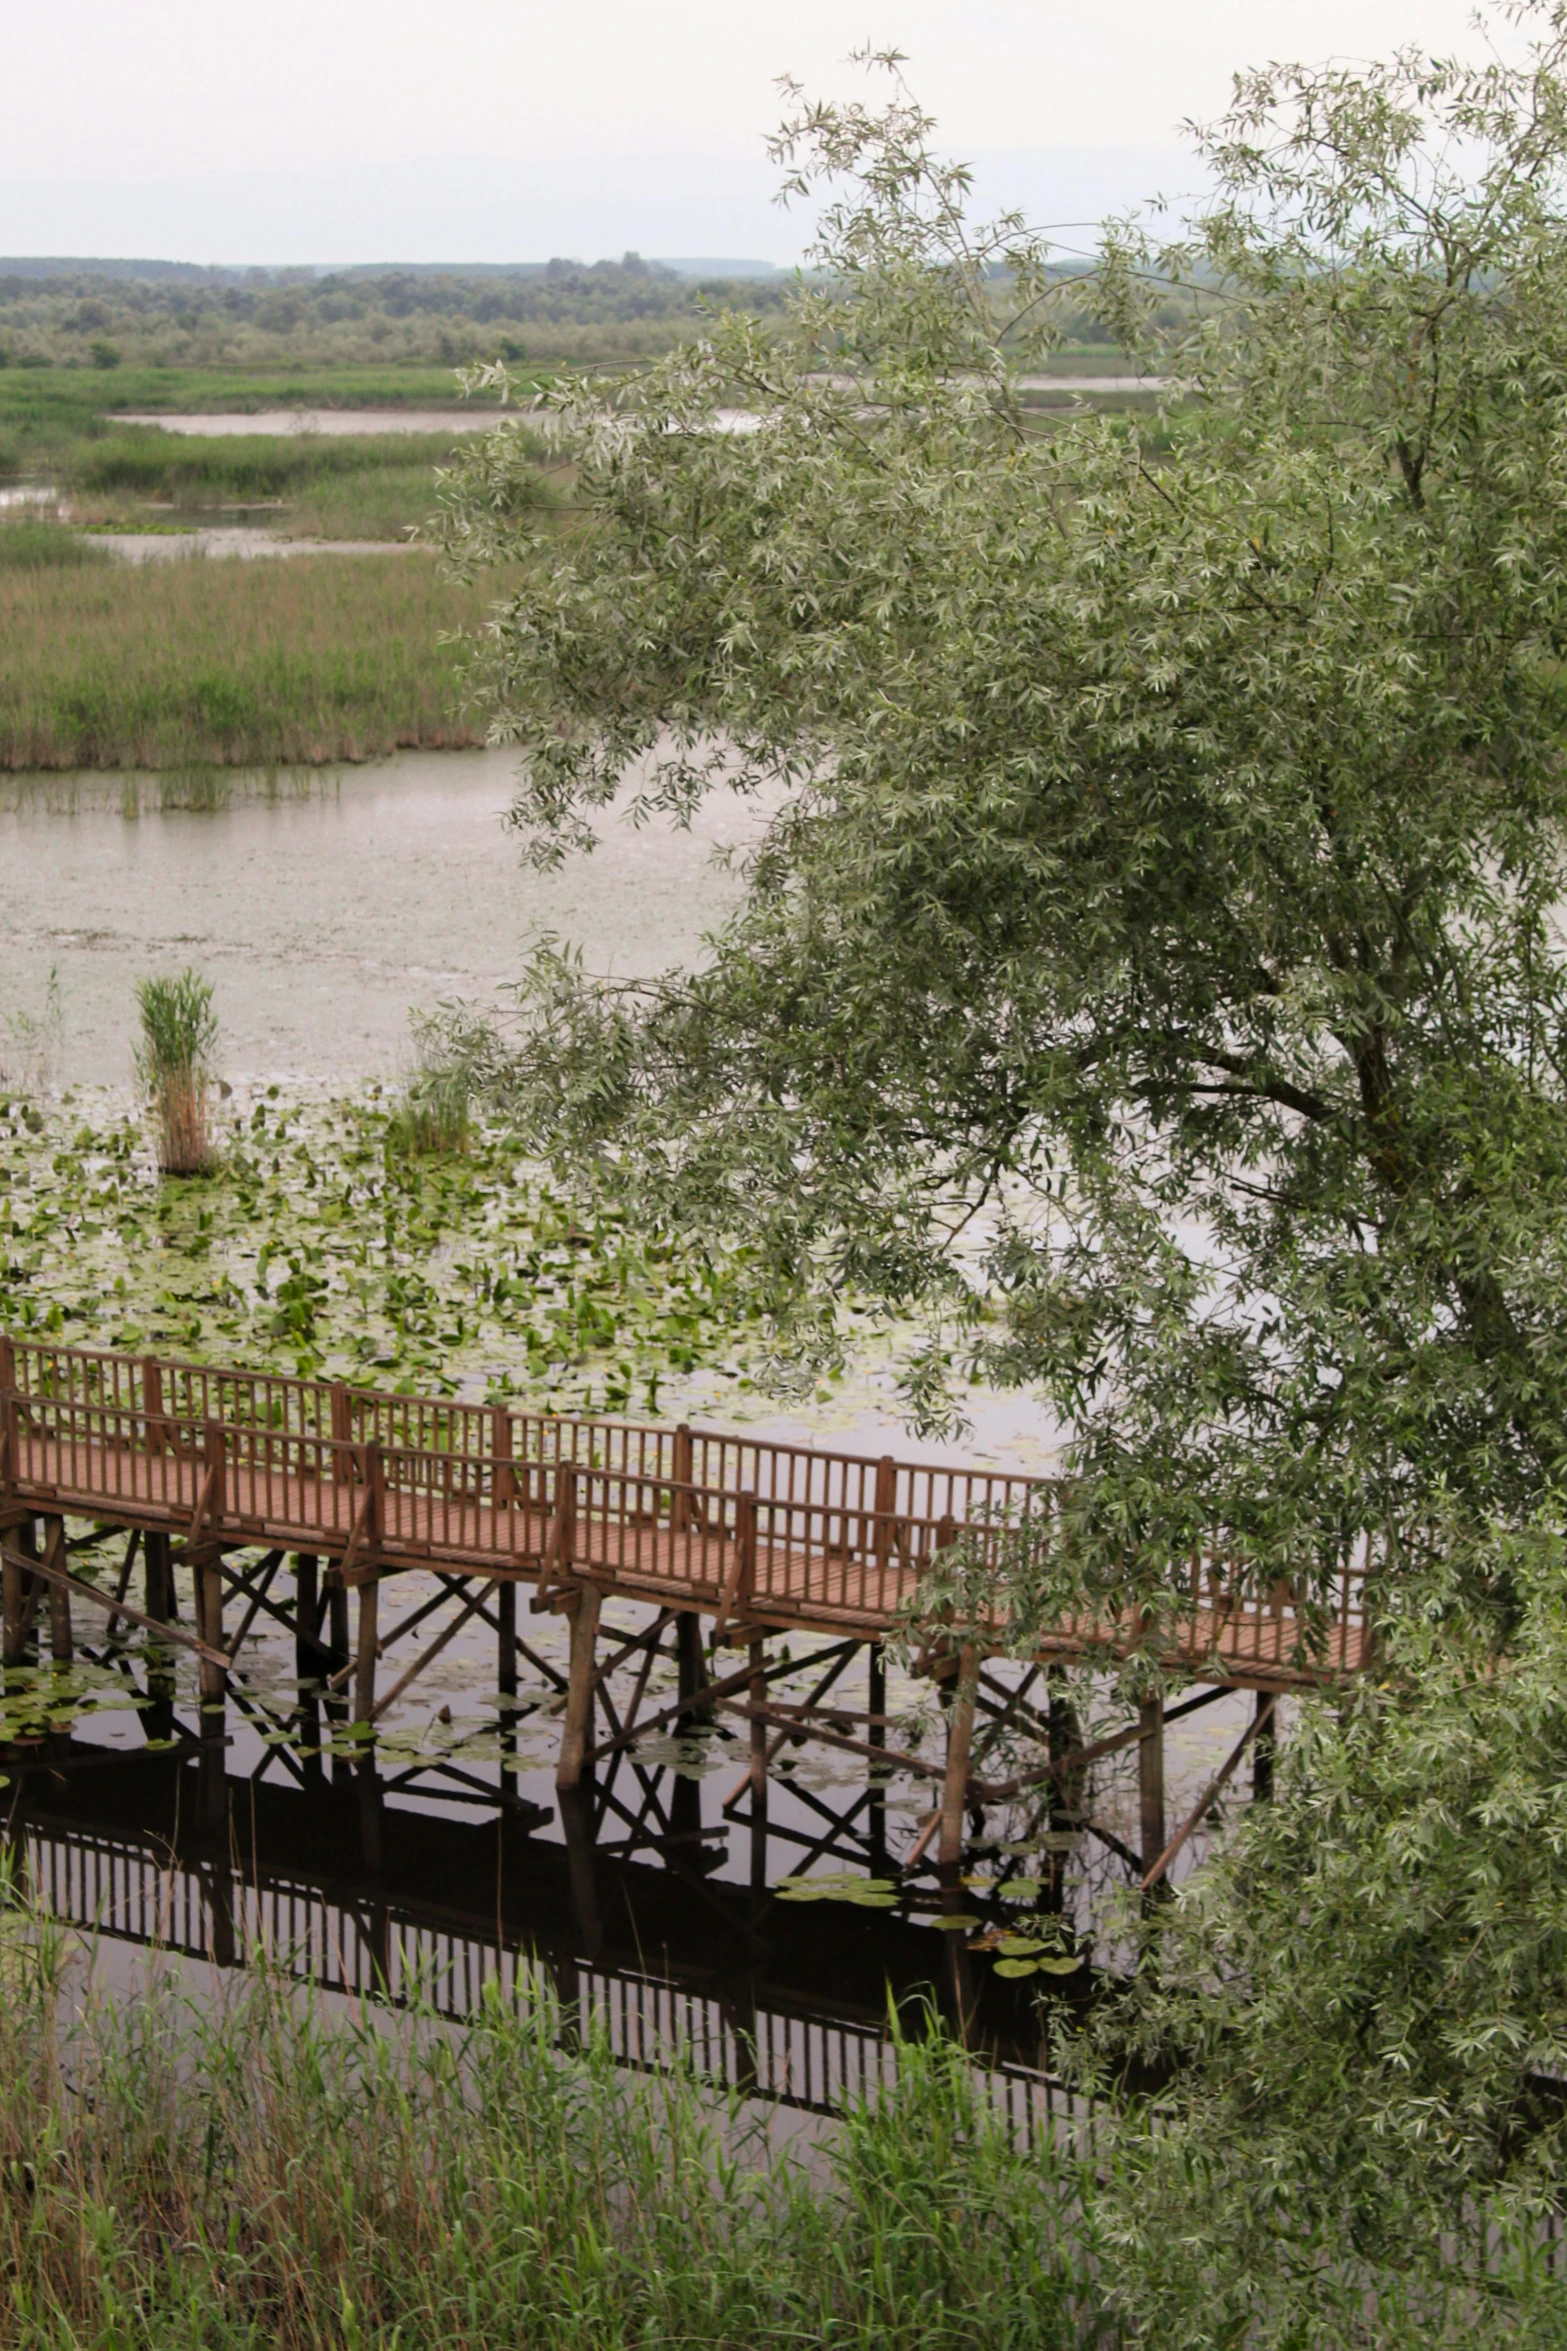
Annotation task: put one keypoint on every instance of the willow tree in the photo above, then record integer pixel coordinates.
(1149, 971)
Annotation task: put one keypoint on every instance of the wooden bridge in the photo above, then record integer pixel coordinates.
(356, 1486)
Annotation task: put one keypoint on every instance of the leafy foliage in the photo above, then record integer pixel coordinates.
(1157, 936)
(1360, 2004)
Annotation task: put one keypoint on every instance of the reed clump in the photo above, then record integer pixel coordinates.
(434, 1119)
(179, 1033)
(258, 2169)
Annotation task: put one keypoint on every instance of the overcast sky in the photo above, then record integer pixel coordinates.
(336, 130)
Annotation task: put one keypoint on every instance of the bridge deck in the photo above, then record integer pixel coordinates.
(759, 1535)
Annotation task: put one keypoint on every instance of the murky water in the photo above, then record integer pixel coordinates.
(654, 1896)
(325, 420)
(323, 909)
(233, 539)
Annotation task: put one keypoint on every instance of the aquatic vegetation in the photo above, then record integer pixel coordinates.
(179, 1033)
(436, 1111)
(320, 1242)
(32, 543)
(229, 663)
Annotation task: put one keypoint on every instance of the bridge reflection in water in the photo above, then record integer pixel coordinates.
(788, 2003)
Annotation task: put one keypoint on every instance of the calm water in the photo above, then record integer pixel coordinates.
(650, 1896)
(326, 420)
(326, 912)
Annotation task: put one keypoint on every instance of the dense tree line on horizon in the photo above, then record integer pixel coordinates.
(630, 305)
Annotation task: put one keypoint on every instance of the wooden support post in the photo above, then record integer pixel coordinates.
(681, 1458)
(337, 1614)
(960, 1740)
(14, 1607)
(886, 1504)
(209, 1628)
(1265, 1747)
(506, 1640)
(307, 1615)
(503, 1487)
(61, 1646)
(506, 1679)
(1150, 1779)
(364, 1659)
(158, 1577)
(756, 1692)
(575, 1737)
(876, 1736)
(689, 1667)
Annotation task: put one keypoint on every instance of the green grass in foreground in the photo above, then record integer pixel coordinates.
(259, 2173)
(228, 663)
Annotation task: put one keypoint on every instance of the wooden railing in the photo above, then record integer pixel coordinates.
(480, 1433)
(736, 1527)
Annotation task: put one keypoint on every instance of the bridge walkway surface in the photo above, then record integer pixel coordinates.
(757, 1538)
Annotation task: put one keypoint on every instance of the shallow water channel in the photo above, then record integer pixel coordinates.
(325, 908)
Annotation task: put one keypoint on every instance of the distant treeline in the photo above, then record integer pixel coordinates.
(553, 309)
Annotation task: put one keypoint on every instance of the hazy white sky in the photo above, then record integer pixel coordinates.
(270, 133)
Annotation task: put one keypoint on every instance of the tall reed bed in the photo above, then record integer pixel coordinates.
(193, 469)
(229, 663)
(256, 2171)
(30, 542)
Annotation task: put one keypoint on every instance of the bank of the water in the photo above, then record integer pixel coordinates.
(250, 2171)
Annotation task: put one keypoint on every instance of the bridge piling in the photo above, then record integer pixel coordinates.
(1150, 1780)
(1264, 1748)
(756, 1692)
(365, 1656)
(307, 1615)
(876, 1736)
(960, 1741)
(62, 1647)
(577, 1729)
(209, 1629)
(158, 1577)
(14, 1610)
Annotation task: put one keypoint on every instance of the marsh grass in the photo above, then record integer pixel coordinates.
(229, 663)
(260, 2168)
(179, 1033)
(31, 544)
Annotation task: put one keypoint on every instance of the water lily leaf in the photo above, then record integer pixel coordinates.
(1068, 1966)
(1015, 1946)
(957, 1922)
(1017, 1967)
